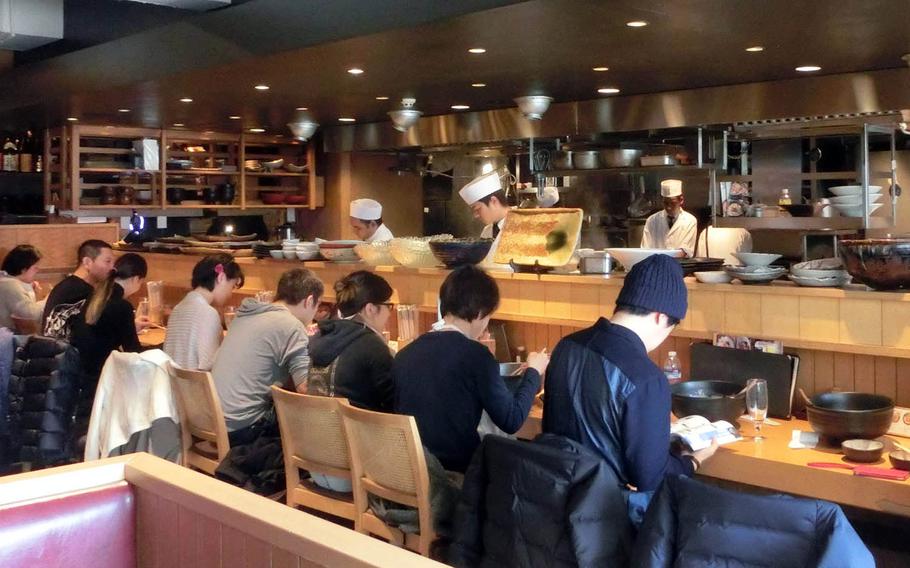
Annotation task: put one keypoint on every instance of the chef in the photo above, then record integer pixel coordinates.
(487, 200)
(366, 220)
(671, 228)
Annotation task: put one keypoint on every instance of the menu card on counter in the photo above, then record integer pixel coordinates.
(697, 432)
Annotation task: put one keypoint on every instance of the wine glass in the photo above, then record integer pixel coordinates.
(757, 404)
(142, 312)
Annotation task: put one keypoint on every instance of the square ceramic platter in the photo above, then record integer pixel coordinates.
(546, 237)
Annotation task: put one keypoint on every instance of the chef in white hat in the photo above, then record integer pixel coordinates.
(366, 220)
(487, 200)
(671, 228)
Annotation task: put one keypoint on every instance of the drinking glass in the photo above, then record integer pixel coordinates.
(142, 310)
(230, 312)
(265, 296)
(757, 404)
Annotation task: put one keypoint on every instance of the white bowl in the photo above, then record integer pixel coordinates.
(629, 257)
(829, 282)
(276, 253)
(339, 251)
(290, 242)
(856, 210)
(756, 274)
(377, 253)
(756, 258)
(846, 190)
(307, 254)
(289, 254)
(855, 199)
(307, 247)
(713, 277)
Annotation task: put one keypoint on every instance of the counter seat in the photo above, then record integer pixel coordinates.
(770, 464)
(851, 320)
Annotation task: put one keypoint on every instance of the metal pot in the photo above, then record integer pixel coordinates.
(715, 400)
(561, 160)
(597, 262)
(285, 232)
(586, 159)
(841, 416)
(619, 158)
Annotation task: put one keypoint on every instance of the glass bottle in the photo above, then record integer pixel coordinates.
(672, 368)
(784, 197)
(9, 155)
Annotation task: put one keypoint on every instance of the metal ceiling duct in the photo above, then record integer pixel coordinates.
(197, 5)
(26, 24)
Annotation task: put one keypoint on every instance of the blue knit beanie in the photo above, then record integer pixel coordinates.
(656, 284)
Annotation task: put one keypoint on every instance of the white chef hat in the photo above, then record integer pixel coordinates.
(671, 188)
(549, 196)
(480, 187)
(366, 209)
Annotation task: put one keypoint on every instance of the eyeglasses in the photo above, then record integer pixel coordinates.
(389, 305)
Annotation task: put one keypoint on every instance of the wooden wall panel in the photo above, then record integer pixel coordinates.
(805, 376)
(742, 314)
(896, 325)
(864, 373)
(886, 376)
(861, 322)
(902, 394)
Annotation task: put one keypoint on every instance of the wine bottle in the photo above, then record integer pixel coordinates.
(9, 155)
(27, 153)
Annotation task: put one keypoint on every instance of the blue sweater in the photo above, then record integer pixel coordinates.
(605, 393)
(445, 380)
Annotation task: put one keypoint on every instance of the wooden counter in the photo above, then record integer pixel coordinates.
(58, 242)
(770, 464)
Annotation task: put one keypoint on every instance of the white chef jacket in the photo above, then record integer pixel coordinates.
(658, 234)
(722, 242)
(487, 233)
(382, 234)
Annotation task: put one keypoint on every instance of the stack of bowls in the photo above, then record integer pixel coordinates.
(848, 199)
(757, 268)
(307, 251)
(289, 248)
(820, 273)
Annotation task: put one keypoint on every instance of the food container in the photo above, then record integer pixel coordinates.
(883, 264)
(586, 159)
(713, 277)
(715, 400)
(862, 451)
(845, 415)
(619, 157)
(756, 258)
(595, 262)
(512, 374)
(658, 161)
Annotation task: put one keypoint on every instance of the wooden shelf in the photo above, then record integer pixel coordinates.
(192, 172)
(290, 188)
(185, 154)
(118, 171)
(801, 223)
(107, 151)
(275, 174)
(260, 205)
(203, 206)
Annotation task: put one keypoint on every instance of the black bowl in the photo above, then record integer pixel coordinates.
(840, 416)
(883, 264)
(715, 400)
(174, 195)
(456, 252)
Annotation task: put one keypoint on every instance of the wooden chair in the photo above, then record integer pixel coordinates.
(25, 326)
(312, 438)
(204, 432)
(387, 461)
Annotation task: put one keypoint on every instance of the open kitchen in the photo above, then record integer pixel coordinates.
(658, 249)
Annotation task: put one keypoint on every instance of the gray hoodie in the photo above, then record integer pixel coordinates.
(265, 345)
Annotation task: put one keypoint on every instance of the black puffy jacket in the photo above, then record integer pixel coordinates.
(545, 503)
(44, 385)
(690, 523)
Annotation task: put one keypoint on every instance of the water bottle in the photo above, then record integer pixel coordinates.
(672, 368)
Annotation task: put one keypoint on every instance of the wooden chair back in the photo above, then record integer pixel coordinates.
(387, 461)
(25, 326)
(205, 436)
(313, 439)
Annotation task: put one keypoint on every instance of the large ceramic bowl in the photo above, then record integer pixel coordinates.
(456, 252)
(856, 210)
(855, 190)
(415, 252)
(629, 257)
(756, 258)
(377, 253)
(339, 251)
(715, 400)
(883, 264)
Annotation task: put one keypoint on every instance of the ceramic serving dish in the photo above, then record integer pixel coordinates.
(377, 253)
(539, 237)
(339, 251)
(863, 451)
(883, 264)
(713, 277)
(756, 258)
(855, 190)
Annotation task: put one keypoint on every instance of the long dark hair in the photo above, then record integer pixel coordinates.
(358, 289)
(206, 271)
(127, 266)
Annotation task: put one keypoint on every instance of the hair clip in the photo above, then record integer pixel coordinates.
(219, 268)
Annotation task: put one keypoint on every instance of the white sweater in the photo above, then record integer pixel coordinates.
(193, 333)
(17, 299)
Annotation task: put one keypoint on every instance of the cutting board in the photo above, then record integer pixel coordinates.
(738, 366)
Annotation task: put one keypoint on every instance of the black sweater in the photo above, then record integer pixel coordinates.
(115, 329)
(446, 381)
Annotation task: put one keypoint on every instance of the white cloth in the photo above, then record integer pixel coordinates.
(366, 209)
(382, 234)
(480, 187)
(658, 234)
(671, 188)
(193, 333)
(487, 233)
(722, 242)
(133, 391)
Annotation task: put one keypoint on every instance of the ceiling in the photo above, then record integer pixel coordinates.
(302, 50)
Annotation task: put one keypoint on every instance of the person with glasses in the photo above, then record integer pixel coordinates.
(349, 355)
(603, 391)
(194, 329)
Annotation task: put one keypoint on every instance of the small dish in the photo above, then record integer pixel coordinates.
(713, 277)
(289, 253)
(900, 460)
(307, 254)
(834, 281)
(756, 258)
(276, 253)
(862, 451)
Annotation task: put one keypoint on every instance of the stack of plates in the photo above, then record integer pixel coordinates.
(755, 274)
(307, 251)
(848, 199)
(263, 250)
(820, 273)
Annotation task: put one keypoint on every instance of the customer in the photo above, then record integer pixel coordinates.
(66, 301)
(265, 345)
(604, 392)
(110, 322)
(194, 327)
(350, 357)
(446, 379)
(18, 286)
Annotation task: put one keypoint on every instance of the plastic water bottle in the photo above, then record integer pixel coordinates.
(672, 368)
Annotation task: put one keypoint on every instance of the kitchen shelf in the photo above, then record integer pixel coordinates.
(106, 151)
(275, 174)
(204, 206)
(199, 173)
(629, 170)
(118, 171)
(801, 223)
(260, 205)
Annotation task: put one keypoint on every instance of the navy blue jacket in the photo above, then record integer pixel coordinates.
(445, 381)
(690, 523)
(604, 392)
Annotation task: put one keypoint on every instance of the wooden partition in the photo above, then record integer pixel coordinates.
(58, 243)
(187, 520)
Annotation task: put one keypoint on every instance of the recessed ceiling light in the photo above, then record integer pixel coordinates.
(178, 124)
(261, 87)
(460, 107)
(600, 68)
(257, 130)
(755, 48)
(808, 68)
(637, 24)
(478, 85)
(72, 119)
(608, 91)
(186, 100)
(346, 119)
(301, 108)
(123, 110)
(234, 117)
(382, 98)
(355, 71)
(477, 50)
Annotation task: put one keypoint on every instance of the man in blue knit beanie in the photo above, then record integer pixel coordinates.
(603, 391)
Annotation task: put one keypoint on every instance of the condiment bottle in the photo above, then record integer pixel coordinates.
(784, 197)
(672, 368)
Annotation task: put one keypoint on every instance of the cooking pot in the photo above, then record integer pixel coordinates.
(715, 400)
(619, 157)
(586, 159)
(285, 232)
(840, 416)
(561, 160)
